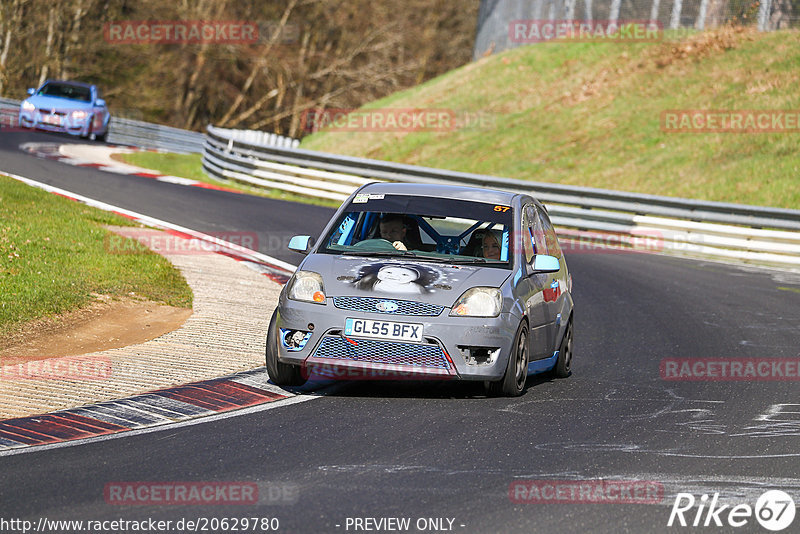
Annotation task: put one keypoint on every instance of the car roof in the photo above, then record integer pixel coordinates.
(68, 82)
(457, 192)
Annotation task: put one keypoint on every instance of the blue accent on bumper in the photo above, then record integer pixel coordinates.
(285, 332)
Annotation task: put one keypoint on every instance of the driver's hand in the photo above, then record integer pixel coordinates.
(399, 245)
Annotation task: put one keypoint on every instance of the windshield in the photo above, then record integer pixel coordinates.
(426, 228)
(62, 90)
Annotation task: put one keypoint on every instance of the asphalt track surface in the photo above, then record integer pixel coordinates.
(432, 450)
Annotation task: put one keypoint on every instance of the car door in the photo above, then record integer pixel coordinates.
(555, 283)
(534, 287)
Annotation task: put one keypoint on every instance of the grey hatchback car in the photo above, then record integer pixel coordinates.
(424, 281)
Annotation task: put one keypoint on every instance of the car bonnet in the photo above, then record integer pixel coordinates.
(401, 278)
(52, 102)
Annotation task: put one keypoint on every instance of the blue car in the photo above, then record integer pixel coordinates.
(423, 281)
(62, 106)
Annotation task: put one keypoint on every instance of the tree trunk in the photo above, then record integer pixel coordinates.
(51, 30)
(9, 24)
(675, 18)
(717, 13)
(780, 18)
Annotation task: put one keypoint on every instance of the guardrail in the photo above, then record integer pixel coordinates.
(148, 135)
(694, 227)
(123, 131)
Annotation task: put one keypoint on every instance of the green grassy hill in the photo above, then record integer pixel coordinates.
(589, 114)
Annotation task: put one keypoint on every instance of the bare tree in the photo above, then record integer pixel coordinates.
(52, 17)
(344, 55)
(10, 16)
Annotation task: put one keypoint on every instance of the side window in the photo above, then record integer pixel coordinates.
(343, 235)
(536, 230)
(550, 238)
(527, 235)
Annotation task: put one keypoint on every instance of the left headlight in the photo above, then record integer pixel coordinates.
(78, 114)
(478, 302)
(306, 286)
(27, 106)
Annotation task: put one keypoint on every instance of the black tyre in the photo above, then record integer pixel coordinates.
(513, 382)
(564, 362)
(281, 374)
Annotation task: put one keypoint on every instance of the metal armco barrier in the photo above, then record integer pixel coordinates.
(686, 226)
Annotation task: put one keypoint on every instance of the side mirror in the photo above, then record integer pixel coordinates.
(100, 103)
(300, 243)
(543, 263)
(31, 90)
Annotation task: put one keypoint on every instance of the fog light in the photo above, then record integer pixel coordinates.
(294, 340)
(479, 355)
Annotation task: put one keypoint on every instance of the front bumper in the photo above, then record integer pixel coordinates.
(66, 124)
(443, 353)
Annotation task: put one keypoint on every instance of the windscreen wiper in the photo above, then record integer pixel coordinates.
(386, 254)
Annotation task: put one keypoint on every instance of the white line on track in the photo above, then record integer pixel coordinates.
(158, 428)
(152, 221)
(157, 223)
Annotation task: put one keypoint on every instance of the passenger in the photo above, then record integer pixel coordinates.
(491, 245)
(393, 229)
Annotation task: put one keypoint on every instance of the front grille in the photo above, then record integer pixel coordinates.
(386, 352)
(404, 307)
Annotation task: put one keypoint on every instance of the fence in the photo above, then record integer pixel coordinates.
(749, 233)
(495, 16)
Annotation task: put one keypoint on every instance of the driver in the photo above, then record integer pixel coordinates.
(393, 229)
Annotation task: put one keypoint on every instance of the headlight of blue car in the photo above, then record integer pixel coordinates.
(27, 106)
(478, 302)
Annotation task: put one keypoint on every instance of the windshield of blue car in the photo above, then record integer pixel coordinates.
(426, 228)
(71, 92)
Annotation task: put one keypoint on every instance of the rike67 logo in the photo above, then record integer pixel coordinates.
(774, 510)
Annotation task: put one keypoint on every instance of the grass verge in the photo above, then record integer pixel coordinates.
(53, 259)
(589, 114)
(190, 166)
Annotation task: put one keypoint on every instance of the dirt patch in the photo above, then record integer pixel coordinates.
(106, 324)
(693, 48)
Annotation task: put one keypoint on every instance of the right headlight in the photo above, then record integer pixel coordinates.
(306, 286)
(27, 106)
(478, 302)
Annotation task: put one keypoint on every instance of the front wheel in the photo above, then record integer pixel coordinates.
(281, 374)
(513, 381)
(564, 361)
